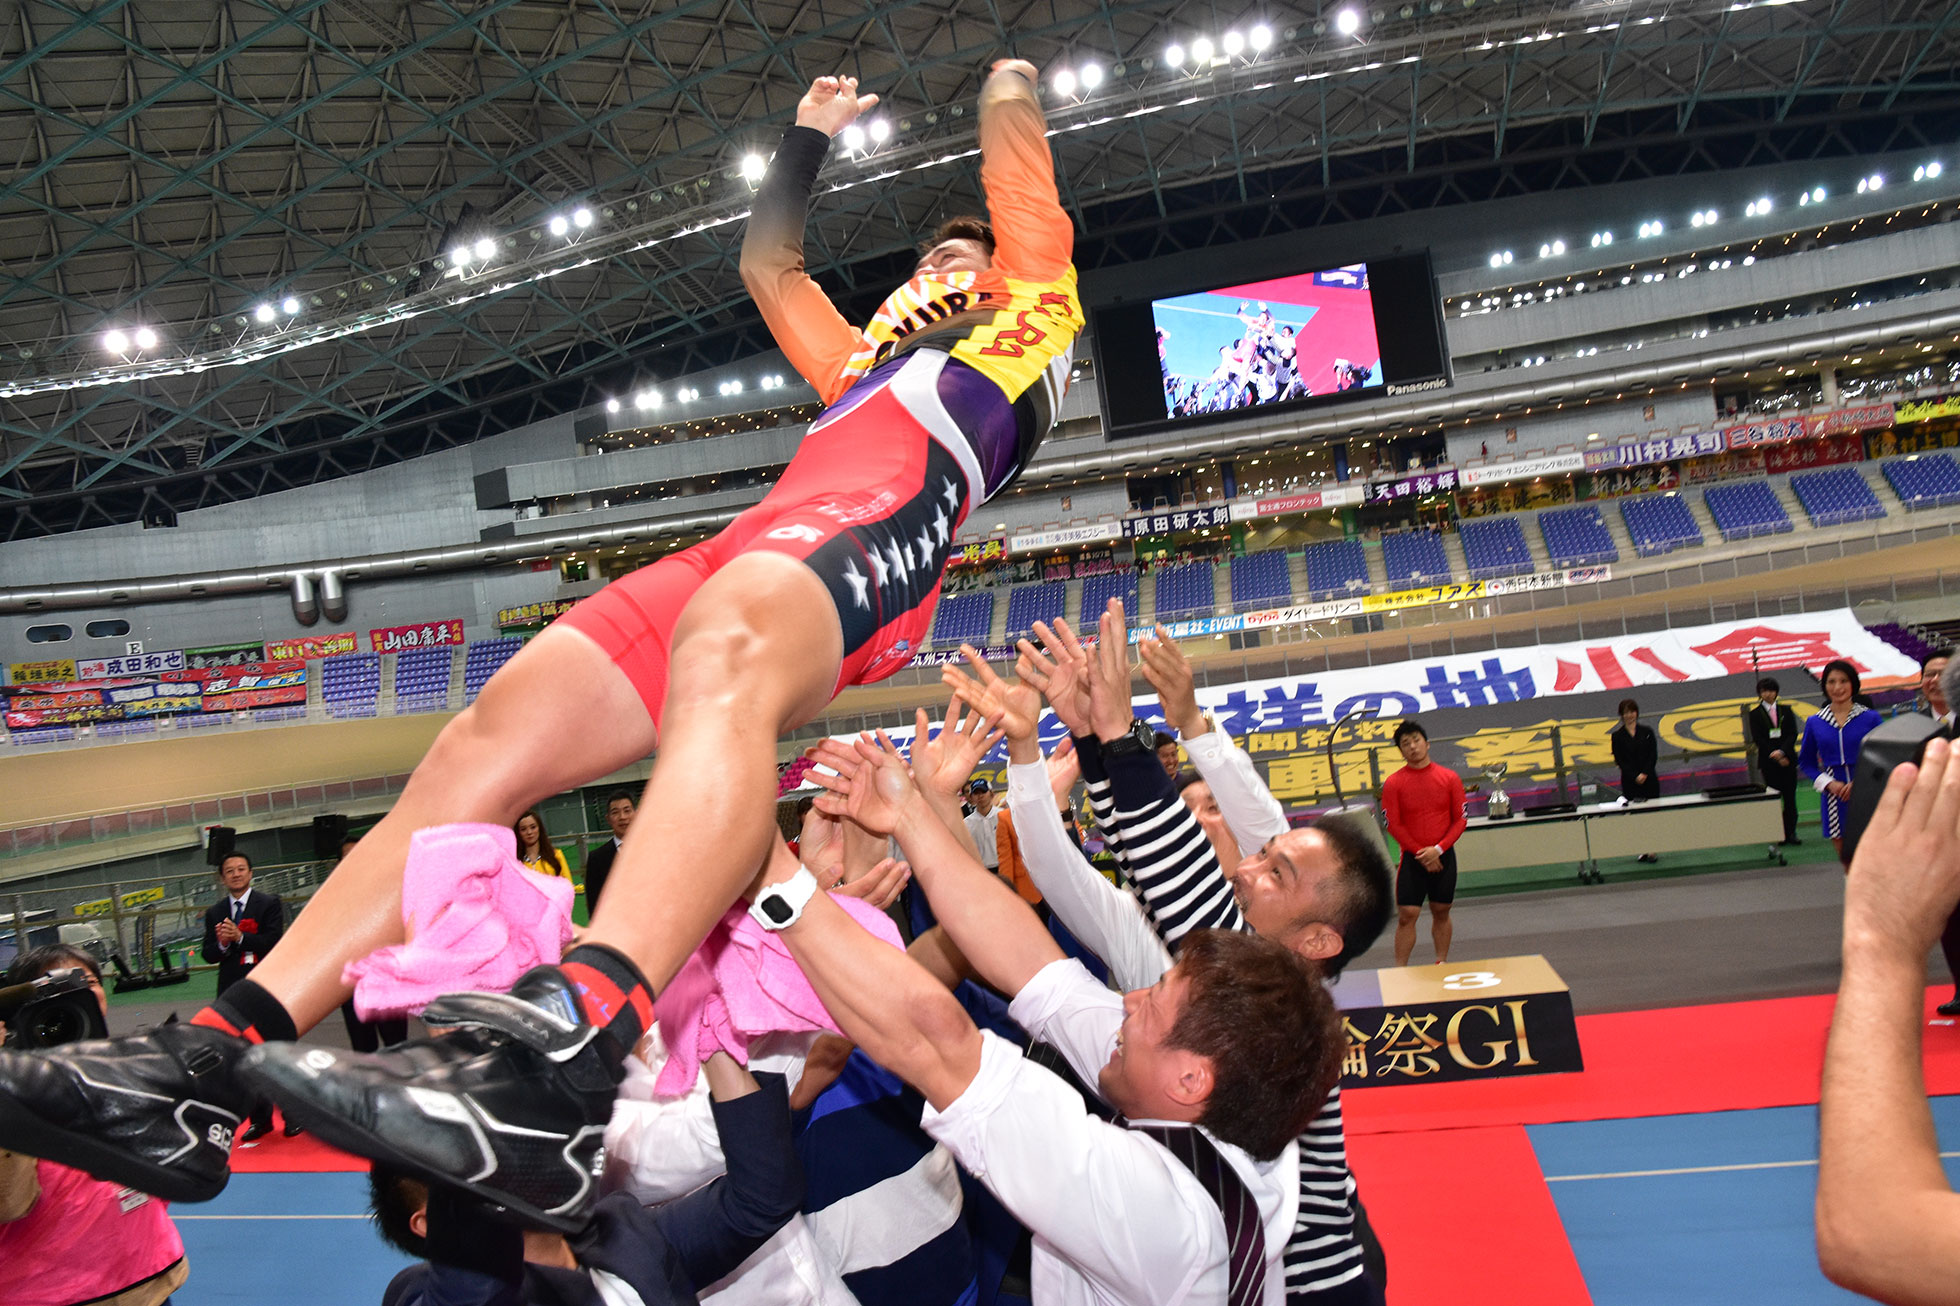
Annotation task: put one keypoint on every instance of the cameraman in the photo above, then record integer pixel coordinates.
(66, 1238)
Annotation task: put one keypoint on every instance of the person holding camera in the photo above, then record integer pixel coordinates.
(65, 1238)
(239, 930)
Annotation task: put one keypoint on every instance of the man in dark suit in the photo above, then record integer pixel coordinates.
(599, 862)
(1774, 728)
(239, 929)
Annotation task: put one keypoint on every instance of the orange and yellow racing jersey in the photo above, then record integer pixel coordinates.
(1014, 323)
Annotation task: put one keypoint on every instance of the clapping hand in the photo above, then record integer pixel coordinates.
(228, 933)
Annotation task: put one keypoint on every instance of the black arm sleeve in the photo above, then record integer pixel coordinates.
(715, 1229)
(1161, 844)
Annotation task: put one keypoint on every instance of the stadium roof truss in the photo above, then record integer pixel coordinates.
(178, 166)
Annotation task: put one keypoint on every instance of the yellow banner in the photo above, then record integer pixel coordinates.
(130, 901)
(28, 673)
(1923, 410)
(1473, 589)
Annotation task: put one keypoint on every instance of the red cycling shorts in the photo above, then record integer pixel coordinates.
(870, 503)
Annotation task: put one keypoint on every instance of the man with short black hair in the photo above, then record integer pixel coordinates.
(1773, 727)
(1165, 744)
(239, 930)
(1424, 806)
(599, 862)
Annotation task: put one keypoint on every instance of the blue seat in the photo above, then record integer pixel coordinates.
(1924, 480)
(1414, 558)
(1336, 568)
(1187, 589)
(1494, 546)
(482, 661)
(1836, 496)
(1097, 591)
(1260, 580)
(1746, 510)
(1577, 537)
(1659, 523)
(1027, 604)
(964, 619)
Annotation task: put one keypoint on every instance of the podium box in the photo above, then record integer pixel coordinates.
(1458, 1021)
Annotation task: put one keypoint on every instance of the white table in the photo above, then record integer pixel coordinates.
(1680, 824)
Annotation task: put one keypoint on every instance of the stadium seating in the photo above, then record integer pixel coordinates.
(1836, 496)
(422, 679)
(1904, 640)
(1577, 537)
(350, 684)
(1260, 580)
(1414, 558)
(1336, 568)
(1494, 546)
(1928, 481)
(482, 662)
(1097, 591)
(1744, 511)
(964, 619)
(1187, 589)
(1027, 604)
(1659, 523)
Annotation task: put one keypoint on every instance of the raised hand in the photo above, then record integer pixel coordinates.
(944, 763)
(1058, 670)
(1170, 675)
(874, 791)
(1109, 676)
(832, 104)
(1016, 707)
(1021, 66)
(1064, 769)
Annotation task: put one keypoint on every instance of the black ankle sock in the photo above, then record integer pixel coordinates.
(611, 992)
(250, 1012)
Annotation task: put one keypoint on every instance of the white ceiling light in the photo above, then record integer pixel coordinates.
(560, 226)
(1174, 56)
(1260, 38)
(459, 256)
(265, 312)
(854, 138)
(612, 405)
(753, 166)
(290, 306)
(1202, 49)
(1347, 22)
(1091, 76)
(116, 342)
(1064, 82)
(582, 218)
(1233, 44)
(486, 249)
(879, 130)
(145, 338)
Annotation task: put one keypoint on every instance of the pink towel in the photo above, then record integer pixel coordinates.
(477, 919)
(739, 984)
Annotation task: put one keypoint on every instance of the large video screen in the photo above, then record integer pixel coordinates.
(1242, 349)
(1267, 342)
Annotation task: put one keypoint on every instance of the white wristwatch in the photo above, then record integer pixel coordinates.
(781, 905)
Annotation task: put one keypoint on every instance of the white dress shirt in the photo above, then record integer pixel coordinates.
(235, 908)
(1248, 806)
(1117, 1220)
(983, 830)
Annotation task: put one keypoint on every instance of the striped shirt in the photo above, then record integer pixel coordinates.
(1164, 850)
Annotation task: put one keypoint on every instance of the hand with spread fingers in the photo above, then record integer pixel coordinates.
(1058, 668)
(1064, 769)
(1165, 667)
(832, 104)
(1015, 706)
(943, 763)
(872, 785)
(1110, 713)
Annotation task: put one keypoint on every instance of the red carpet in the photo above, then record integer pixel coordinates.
(278, 1154)
(1465, 1218)
(1727, 1057)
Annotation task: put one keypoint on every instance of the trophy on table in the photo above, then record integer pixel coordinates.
(1499, 806)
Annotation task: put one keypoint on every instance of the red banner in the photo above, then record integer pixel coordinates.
(308, 647)
(169, 693)
(430, 634)
(1827, 452)
(1873, 417)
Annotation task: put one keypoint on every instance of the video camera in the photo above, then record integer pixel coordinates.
(1900, 740)
(59, 1007)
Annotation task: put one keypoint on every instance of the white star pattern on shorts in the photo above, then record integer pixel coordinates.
(901, 561)
(880, 573)
(952, 493)
(860, 586)
(944, 527)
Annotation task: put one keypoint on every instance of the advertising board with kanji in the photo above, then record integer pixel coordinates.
(1461, 1020)
(133, 664)
(308, 647)
(430, 634)
(1176, 519)
(534, 614)
(33, 673)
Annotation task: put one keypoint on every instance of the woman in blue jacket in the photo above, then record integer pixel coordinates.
(1831, 740)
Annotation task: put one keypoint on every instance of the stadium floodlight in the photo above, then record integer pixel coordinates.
(560, 225)
(854, 138)
(1233, 44)
(612, 405)
(1260, 38)
(753, 166)
(265, 312)
(582, 217)
(880, 130)
(1091, 76)
(1174, 56)
(1347, 22)
(116, 342)
(1201, 50)
(486, 249)
(290, 306)
(1558, 247)
(459, 256)
(145, 338)
(1064, 82)
(647, 399)
(1875, 182)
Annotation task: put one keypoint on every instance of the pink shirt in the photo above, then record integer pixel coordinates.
(83, 1239)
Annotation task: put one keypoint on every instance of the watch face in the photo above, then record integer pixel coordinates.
(777, 910)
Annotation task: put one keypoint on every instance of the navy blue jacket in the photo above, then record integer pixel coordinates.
(666, 1254)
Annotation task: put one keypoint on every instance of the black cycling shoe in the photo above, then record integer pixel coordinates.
(1949, 1008)
(154, 1111)
(511, 1107)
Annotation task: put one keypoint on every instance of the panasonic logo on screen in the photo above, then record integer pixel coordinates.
(1417, 387)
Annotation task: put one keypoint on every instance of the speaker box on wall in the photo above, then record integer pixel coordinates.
(329, 832)
(223, 841)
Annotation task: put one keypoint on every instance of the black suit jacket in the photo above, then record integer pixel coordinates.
(262, 924)
(598, 865)
(1771, 736)
(1638, 754)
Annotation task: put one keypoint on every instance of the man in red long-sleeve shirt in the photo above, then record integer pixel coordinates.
(1424, 805)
